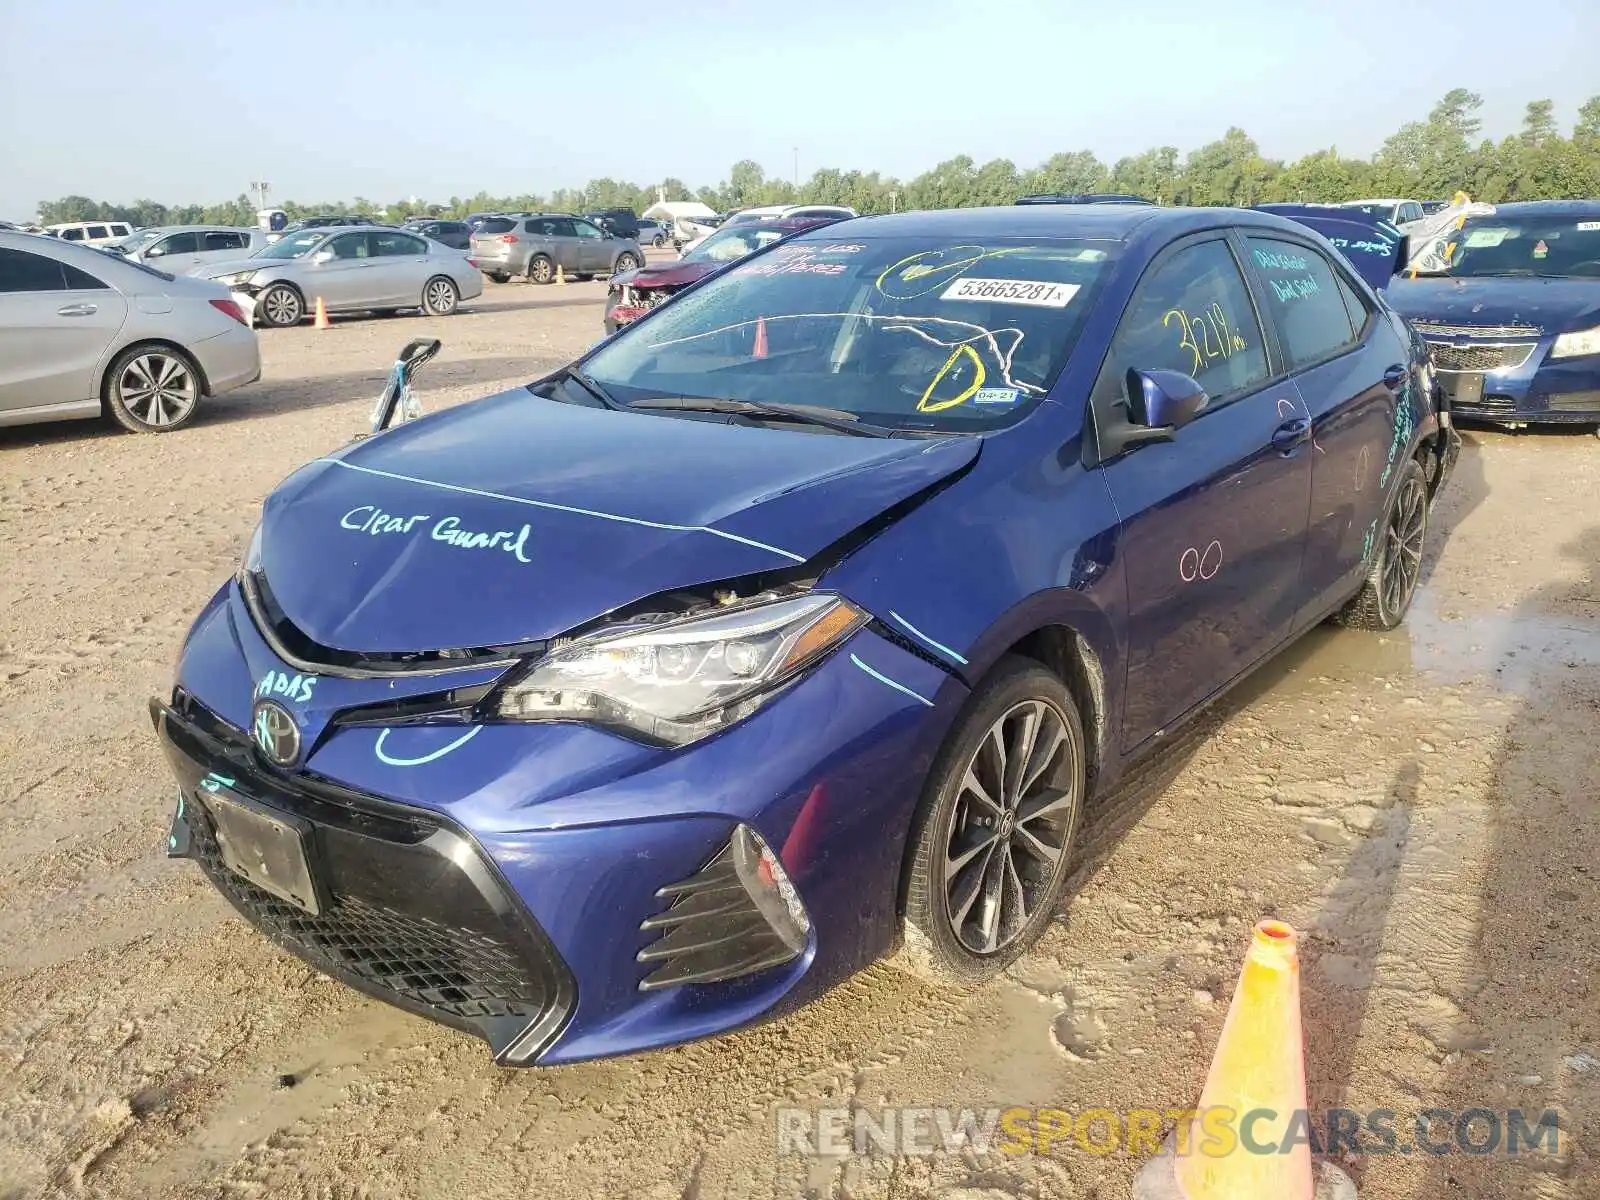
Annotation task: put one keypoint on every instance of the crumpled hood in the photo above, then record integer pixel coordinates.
(673, 275)
(1554, 305)
(516, 519)
(213, 270)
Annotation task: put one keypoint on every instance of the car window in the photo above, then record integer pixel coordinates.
(350, 245)
(24, 272)
(96, 232)
(398, 245)
(177, 243)
(223, 241)
(585, 230)
(71, 235)
(1192, 313)
(1303, 297)
(82, 281)
(557, 227)
(1355, 306)
(493, 225)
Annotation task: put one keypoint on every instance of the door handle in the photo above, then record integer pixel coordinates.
(1291, 433)
(1394, 377)
(77, 310)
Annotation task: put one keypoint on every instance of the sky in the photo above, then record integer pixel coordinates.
(187, 102)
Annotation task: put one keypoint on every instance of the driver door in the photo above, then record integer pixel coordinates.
(1213, 522)
(342, 281)
(594, 249)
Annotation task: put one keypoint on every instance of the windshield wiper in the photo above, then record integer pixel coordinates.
(806, 414)
(594, 389)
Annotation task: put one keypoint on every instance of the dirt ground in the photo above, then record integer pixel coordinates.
(1421, 806)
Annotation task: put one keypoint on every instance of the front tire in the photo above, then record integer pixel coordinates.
(440, 296)
(281, 306)
(1396, 567)
(152, 389)
(992, 838)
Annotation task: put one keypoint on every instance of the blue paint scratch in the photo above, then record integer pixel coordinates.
(899, 687)
(377, 749)
(939, 646)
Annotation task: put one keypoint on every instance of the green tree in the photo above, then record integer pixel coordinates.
(1153, 174)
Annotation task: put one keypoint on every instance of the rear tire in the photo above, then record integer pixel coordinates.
(440, 296)
(1396, 566)
(152, 389)
(992, 839)
(497, 277)
(541, 269)
(625, 262)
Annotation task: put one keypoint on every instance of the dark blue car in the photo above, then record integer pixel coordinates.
(796, 624)
(1514, 321)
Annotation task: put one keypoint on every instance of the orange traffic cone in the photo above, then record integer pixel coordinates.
(560, 275)
(322, 321)
(760, 348)
(1259, 1068)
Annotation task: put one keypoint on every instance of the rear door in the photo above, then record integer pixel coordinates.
(563, 243)
(175, 253)
(56, 322)
(402, 267)
(1348, 364)
(221, 245)
(1214, 522)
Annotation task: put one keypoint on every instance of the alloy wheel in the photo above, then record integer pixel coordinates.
(624, 263)
(282, 306)
(1402, 560)
(158, 389)
(440, 297)
(542, 271)
(1010, 826)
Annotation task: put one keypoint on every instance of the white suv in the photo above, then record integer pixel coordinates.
(90, 233)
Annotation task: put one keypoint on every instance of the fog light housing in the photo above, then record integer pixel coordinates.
(769, 887)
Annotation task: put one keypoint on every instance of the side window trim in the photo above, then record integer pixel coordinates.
(1259, 288)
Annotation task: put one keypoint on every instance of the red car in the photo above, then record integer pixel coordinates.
(634, 293)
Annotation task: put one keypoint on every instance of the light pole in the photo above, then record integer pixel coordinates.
(797, 168)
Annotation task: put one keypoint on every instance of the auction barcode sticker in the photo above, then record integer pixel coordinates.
(1012, 291)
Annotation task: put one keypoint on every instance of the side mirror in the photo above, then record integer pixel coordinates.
(1164, 399)
(1158, 403)
(322, 256)
(155, 252)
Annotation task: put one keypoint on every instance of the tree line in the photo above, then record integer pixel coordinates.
(1429, 159)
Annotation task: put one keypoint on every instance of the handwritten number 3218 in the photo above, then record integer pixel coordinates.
(1207, 337)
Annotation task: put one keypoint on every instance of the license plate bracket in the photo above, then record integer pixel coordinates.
(1467, 388)
(264, 847)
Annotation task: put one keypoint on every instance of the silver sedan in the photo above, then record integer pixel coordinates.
(373, 269)
(84, 332)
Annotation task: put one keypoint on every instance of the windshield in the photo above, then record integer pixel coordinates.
(1551, 248)
(1385, 212)
(138, 241)
(728, 244)
(292, 245)
(902, 332)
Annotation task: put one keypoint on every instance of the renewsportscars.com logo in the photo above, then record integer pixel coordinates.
(1139, 1132)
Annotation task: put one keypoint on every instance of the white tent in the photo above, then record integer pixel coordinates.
(675, 210)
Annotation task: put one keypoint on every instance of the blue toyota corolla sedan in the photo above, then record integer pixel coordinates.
(1514, 320)
(794, 625)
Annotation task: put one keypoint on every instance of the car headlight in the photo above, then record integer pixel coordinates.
(237, 277)
(678, 681)
(1579, 341)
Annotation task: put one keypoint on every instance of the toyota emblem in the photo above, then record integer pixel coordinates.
(277, 735)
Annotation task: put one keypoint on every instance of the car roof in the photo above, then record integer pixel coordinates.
(198, 229)
(1543, 208)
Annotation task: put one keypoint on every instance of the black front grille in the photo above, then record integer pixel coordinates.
(1505, 356)
(1489, 405)
(1430, 329)
(413, 913)
(446, 970)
